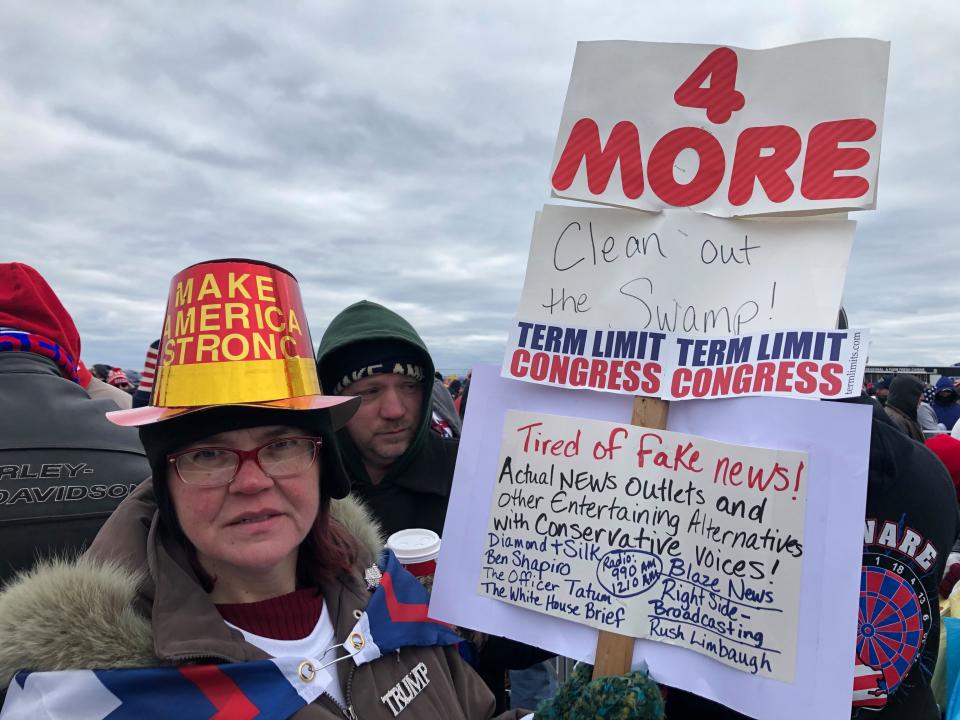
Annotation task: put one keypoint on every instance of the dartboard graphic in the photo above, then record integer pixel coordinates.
(894, 618)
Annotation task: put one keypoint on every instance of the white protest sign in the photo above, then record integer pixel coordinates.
(794, 363)
(726, 131)
(684, 272)
(835, 437)
(651, 534)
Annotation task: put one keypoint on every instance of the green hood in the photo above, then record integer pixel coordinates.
(363, 322)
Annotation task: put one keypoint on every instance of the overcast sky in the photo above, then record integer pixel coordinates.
(398, 152)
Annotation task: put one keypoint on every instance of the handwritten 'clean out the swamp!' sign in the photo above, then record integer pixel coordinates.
(682, 272)
(652, 534)
(723, 130)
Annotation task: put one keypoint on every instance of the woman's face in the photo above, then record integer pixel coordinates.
(255, 524)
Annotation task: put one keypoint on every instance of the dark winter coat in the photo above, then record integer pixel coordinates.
(63, 466)
(910, 526)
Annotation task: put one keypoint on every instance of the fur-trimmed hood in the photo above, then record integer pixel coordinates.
(94, 611)
(72, 614)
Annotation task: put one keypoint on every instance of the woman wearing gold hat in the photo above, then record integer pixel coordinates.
(243, 570)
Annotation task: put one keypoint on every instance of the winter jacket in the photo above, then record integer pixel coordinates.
(417, 497)
(948, 411)
(910, 526)
(132, 601)
(927, 418)
(903, 423)
(63, 466)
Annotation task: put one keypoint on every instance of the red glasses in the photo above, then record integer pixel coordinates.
(281, 458)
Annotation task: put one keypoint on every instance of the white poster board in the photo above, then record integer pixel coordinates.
(835, 437)
(682, 272)
(652, 534)
(726, 131)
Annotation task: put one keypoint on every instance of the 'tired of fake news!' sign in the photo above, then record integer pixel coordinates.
(792, 363)
(651, 534)
(684, 272)
(723, 130)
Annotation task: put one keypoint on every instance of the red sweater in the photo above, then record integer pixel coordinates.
(287, 617)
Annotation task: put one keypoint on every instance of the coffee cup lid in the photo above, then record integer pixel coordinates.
(414, 545)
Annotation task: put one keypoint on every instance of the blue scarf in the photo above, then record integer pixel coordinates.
(19, 341)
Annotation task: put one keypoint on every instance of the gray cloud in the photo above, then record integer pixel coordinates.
(395, 152)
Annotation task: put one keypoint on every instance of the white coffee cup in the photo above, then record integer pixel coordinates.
(416, 549)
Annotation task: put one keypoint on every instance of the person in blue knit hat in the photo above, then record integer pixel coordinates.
(945, 403)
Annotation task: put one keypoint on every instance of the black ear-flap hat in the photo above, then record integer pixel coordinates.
(163, 438)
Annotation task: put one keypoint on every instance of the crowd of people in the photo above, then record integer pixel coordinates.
(236, 510)
(925, 413)
(934, 408)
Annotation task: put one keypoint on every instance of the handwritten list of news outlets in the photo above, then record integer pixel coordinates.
(652, 534)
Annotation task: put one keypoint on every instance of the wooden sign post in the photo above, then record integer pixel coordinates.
(614, 651)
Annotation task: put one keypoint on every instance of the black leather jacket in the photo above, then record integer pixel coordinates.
(63, 466)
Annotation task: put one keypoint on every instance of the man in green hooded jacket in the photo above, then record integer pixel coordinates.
(397, 464)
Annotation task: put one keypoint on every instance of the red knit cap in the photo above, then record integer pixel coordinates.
(948, 450)
(27, 303)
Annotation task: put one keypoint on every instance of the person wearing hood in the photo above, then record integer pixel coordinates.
(945, 403)
(902, 404)
(400, 468)
(910, 528)
(882, 388)
(63, 467)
